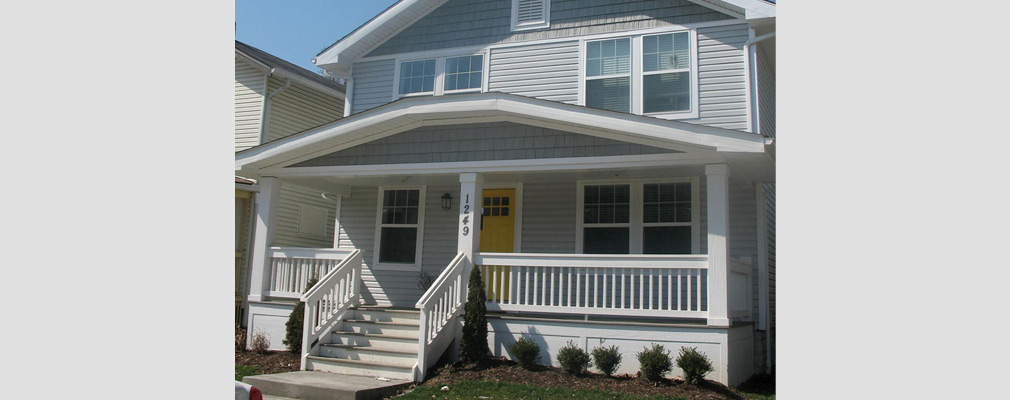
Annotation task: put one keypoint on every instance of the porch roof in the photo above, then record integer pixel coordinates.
(410, 113)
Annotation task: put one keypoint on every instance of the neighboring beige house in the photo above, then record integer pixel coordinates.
(273, 99)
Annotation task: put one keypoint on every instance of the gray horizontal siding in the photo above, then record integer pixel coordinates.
(248, 104)
(373, 84)
(546, 71)
(459, 23)
(722, 79)
(291, 196)
(298, 108)
(549, 217)
(478, 142)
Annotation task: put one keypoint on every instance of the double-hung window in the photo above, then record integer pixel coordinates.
(666, 72)
(608, 74)
(648, 216)
(399, 228)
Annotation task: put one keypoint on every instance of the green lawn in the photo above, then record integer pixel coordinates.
(245, 370)
(470, 390)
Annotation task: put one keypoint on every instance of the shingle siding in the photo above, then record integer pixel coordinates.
(461, 23)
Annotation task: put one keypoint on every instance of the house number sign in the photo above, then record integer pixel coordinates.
(466, 215)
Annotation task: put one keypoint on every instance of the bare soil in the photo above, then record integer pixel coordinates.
(508, 371)
(271, 363)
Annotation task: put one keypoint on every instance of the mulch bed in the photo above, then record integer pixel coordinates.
(270, 363)
(508, 371)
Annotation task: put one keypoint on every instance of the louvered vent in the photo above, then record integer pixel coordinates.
(530, 14)
(530, 11)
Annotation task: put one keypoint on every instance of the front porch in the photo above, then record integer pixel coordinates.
(586, 221)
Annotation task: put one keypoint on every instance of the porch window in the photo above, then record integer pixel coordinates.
(417, 77)
(666, 218)
(608, 74)
(606, 219)
(398, 239)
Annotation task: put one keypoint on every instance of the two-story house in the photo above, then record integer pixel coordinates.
(609, 166)
(273, 99)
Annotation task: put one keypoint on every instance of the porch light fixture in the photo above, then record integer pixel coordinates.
(446, 201)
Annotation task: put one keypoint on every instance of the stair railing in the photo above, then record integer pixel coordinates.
(328, 302)
(439, 319)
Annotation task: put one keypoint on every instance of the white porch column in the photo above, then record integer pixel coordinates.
(263, 236)
(470, 191)
(718, 244)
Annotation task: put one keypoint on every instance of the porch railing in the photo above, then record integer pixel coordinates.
(291, 268)
(327, 302)
(439, 307)
(628, 285)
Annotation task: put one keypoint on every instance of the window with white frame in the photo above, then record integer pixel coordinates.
(606, 214)
(608, 74)
(399, 226)
(417, 77)
(531, 14)
(639, 217)
(463, 73)
(642, 74)
(666, 72)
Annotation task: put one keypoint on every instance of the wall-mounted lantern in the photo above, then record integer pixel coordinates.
(446, 201)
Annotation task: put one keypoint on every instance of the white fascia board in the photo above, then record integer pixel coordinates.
(310, 83)
(339, 57)
(753, 9)
(411, 113)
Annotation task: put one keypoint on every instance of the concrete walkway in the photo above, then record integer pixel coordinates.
(316, 385)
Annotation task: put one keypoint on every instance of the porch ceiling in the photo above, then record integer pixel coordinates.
(410, 113)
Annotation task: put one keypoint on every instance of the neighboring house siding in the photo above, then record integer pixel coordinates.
(547, 71)
(298, 108)
(478, 142)
(770, 226)
(249, 86)
(766, 94)
(722, 80)
(357, 230)
(459, 23)
(373, 84)
(549, 217)
(291, 196)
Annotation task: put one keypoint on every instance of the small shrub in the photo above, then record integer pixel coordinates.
(239, 338)
(296, 323)
(526, 352)
(260, 342)
(694, 364)
(606, 359)
(473, 345)
(573, 359)
(654, 362)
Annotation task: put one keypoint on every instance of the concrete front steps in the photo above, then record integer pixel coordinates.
(374, 342)
(314, 385)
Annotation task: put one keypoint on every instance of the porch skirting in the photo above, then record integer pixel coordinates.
(729, 348)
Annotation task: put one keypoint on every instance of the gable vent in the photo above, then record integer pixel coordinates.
(530, 14)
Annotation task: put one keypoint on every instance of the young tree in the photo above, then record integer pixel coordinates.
(473, 346)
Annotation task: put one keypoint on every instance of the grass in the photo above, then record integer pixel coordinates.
(499, 390)
(242, 371)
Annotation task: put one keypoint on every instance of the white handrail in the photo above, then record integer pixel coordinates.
(328, 301)
(439, 306)
(291, 268)
(599, 284)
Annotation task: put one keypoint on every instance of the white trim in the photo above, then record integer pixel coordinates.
(664, 261)
(336, 222)
(524, 165)
(635, 224)
(517, 237)
(544, 23)
(416, 266)
(750, 71)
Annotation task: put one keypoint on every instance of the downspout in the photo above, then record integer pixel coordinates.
(751, 52)
(266, 105)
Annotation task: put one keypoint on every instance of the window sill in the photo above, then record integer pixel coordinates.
(672, 115)
(397, 267)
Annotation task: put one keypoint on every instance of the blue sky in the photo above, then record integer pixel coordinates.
(296, 30)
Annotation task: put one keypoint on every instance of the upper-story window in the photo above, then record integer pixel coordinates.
(463, 73)
(440, 75)
(417, 77)
(646, 74)
(608, 74)
(531, 14)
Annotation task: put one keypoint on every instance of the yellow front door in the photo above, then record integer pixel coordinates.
(497, 235)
